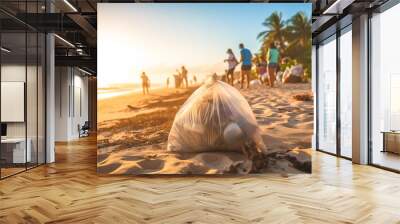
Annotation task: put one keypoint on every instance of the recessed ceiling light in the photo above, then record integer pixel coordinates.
(64, 40)
(84, 71)
(5, 50)
(70, 5)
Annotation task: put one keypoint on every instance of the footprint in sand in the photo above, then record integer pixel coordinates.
(134, 170)
(291, 123)
(193, 169)
(102, 157)
(151, 164)
(263, 121)
(258, 111)
(131, 158)
(108, 168)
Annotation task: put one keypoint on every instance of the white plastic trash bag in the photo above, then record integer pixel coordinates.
(264, 76)
(216, 117)
(255, 83)
(297, 70)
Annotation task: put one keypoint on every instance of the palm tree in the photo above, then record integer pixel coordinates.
(299, 38)
(275, 31)
(293, 36)
(299, 30)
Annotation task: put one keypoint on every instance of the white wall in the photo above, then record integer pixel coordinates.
(13, 73)
(62, 82)
(16, 73)
(71, 102)
(80, 112)
(314, 90)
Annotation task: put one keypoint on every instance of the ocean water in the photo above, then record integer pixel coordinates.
(110, 93)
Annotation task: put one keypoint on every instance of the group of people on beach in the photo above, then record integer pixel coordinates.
(266, 65)
(180, 78)
(266, 69)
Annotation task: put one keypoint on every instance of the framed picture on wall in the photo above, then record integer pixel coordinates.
(220, 88)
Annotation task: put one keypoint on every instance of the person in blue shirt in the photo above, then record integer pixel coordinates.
(246, 60)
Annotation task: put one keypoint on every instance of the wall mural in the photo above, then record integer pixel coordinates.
(204, 88)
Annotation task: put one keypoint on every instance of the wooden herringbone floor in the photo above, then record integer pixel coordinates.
(70, 191)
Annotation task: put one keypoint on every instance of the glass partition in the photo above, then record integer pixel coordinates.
(327, 95)
(385, 89)
(346, 92)
(14, 153)
(22, 107)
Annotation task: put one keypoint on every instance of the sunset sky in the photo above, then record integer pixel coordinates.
(159, 38)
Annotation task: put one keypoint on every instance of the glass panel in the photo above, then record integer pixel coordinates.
(31, 98)
(346, 94)
(327, 96)
(31, 87)
(13, 86)
(23, 91)
(385, 83)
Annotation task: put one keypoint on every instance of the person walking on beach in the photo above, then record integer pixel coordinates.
(262, 68)
(167, 82)
(176, 79)
(232, 63)
(273, 59)
(145, 83)
(195, 79)
(184, 74)
(245, 59)
(179, 78)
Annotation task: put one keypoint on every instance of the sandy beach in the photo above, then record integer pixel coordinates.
(133, 132)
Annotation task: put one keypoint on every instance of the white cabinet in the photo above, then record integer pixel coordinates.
(17, 145)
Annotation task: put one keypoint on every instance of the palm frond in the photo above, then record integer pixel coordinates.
(262, 34)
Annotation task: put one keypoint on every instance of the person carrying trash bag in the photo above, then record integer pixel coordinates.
(216, 118)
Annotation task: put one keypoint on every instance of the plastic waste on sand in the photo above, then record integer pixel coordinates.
(255, 83)
(216, 117)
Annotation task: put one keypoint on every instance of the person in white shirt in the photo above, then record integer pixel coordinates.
(232, 63)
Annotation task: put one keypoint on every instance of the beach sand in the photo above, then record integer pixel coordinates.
(133, 132)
